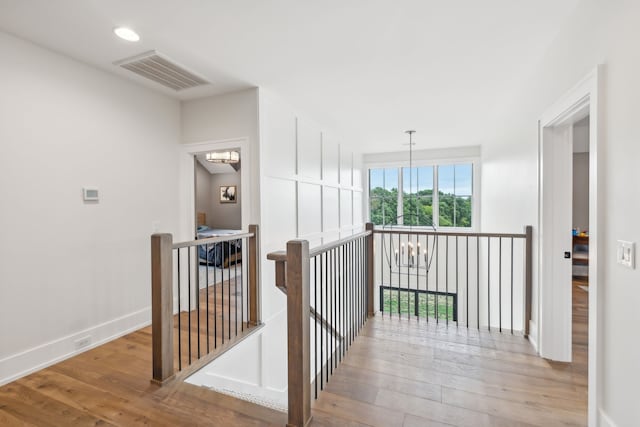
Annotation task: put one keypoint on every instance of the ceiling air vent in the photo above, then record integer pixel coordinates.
(153, 66)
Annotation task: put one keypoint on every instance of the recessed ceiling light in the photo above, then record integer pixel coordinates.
(126, 34)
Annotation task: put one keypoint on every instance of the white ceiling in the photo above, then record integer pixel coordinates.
(365, 68)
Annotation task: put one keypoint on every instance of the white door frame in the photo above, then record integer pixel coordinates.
(187, 183)
(585, 95)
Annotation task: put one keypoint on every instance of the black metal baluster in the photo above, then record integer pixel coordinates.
(343, 328)
(315, 323)
(343, 288)
(467, 274)
(437, 296)
(321, 326)
(221, 289)
(416, 295)
(392, 259)
(179, 318)
(408, 277)
(189, 297)
(399, 272)
(478, 279)
(512, 285)
(500, 283)
(356, 288)
(488, 282)
(215, 303)
(427, 262)
(360, 264)
(446, 275)
(336, 260)
(382, 272)
(235, 284)
(197, 274)
(363, 286)
(206, 251)
(456, 298)
(326, 315)
(242, 270)
(228, 284)
(354, 293)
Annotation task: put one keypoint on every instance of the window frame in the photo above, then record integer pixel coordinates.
(475, 188)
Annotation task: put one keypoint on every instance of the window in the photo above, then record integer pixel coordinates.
(383, 195)
(440, 195)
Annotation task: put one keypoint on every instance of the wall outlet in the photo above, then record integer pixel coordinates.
(82, 342)
(626, 253)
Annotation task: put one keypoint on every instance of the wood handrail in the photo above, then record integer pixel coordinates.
(325, 248)
(448, 233)
(209, 240)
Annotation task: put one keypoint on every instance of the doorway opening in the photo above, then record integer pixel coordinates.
(217, 189)
(233, 215)
(580, 246)
(567, 241)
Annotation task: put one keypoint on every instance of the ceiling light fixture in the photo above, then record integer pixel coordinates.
(126, 34)
(223, 157)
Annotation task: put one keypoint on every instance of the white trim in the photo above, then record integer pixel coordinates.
(588, 90)
(36, 358)
(533, 334)
(605, 420)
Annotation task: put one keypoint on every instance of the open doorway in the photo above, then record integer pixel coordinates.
(580, 245)
(244, 190)
(218, 185)
(568, 278)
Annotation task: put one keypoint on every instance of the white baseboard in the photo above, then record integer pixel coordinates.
(604, 420)
(533, 334)
(26, 362)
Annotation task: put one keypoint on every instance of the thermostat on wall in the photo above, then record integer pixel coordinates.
(90, 194)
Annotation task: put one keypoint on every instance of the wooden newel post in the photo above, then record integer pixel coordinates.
(369, 260)
(528, 269)
(298, 335)
(254, 291)
(162, 306)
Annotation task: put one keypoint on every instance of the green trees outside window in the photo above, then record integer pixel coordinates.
(450, 187)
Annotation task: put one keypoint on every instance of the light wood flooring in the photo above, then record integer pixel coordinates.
(397, 373)
(401, 373)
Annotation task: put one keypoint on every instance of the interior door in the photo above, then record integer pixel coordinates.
(556, 182)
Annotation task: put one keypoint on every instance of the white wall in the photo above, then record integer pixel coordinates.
(226, 215)
(581, 174)
(69, 269)
(204, 192)
(598, 32)
(581, 191)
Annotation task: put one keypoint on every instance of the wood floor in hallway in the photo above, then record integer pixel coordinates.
(397, 373)
(401, 373)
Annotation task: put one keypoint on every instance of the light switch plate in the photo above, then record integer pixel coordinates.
(626, 253)
(90, 194)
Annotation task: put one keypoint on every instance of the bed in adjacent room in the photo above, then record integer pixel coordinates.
(221, 254)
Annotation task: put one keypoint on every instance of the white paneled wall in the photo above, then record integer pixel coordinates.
(327, 201)
(310, 188)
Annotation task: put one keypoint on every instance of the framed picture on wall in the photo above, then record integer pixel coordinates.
(228, 194)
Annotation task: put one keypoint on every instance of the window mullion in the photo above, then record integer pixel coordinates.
(435, 200)
(400, 208)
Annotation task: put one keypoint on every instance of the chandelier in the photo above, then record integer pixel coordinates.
(223, 157)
